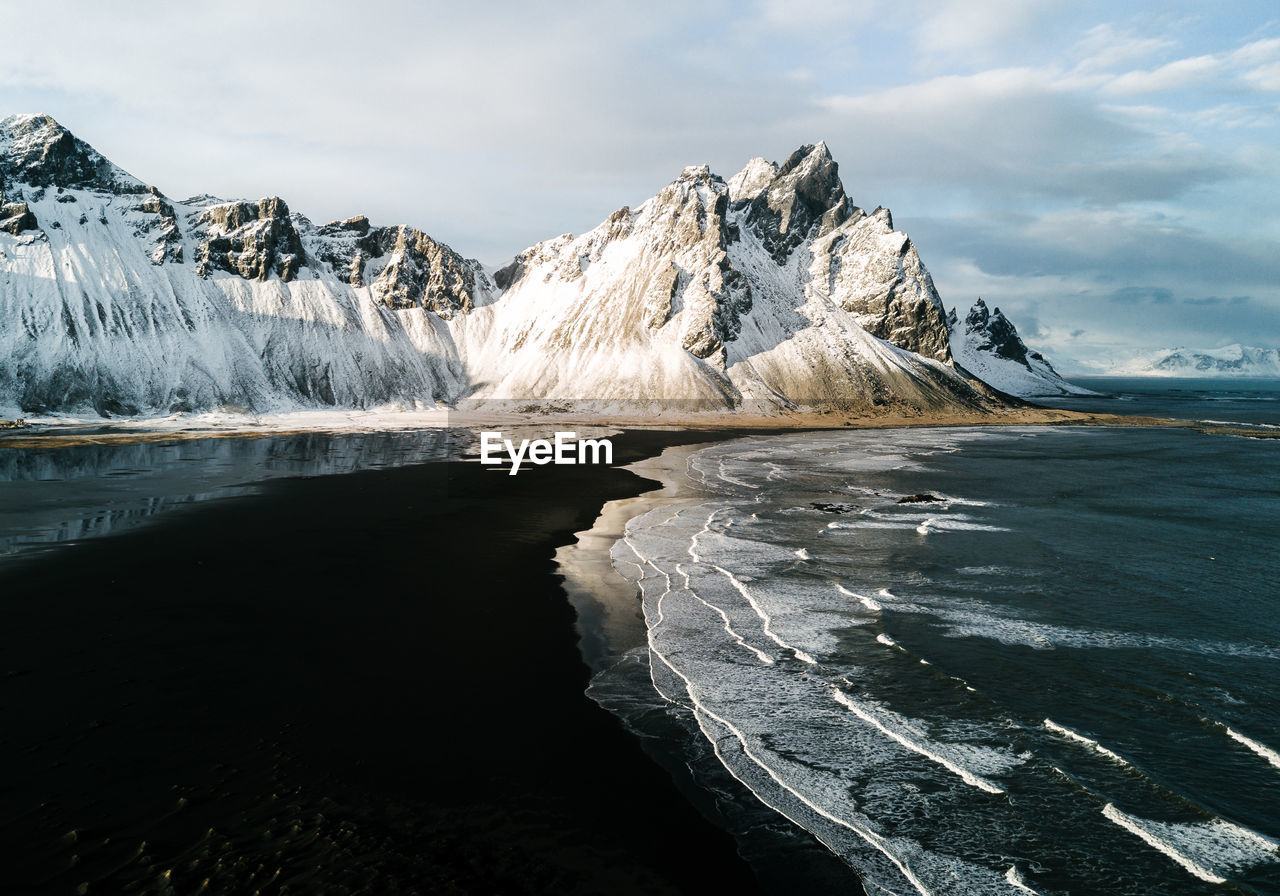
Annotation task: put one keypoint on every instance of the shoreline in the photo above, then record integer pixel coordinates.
(124, 431)
(613, 633)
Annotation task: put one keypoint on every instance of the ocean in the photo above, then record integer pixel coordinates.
(975, 661)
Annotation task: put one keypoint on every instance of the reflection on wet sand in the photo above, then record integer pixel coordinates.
(64, 494)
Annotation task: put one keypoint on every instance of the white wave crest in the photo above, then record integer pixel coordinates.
(1208, 850)
(1089, 742)
(728, 626)
(765, 621)
(867, 716)
(867, 602)
(1014, 877)
(1261, 749)
(942, 524)
(703, 713)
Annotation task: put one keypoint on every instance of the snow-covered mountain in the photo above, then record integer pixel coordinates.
(1228, 361)
(987, 345)
(771, 291)
(116, 299)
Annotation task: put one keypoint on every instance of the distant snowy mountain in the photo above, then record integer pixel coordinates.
(1228, 361)
(770, 291)
(987, 345)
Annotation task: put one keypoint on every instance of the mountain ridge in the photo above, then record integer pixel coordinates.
(771, 289)
(1235, 360)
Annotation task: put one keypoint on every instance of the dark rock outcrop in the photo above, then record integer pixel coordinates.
(423, 272)
(991, 331)
(873, 271)
(345, 249)
(16, 218)
(251, 239)
(805, 199)
(404, 267)
(165, 230)
(876, 274)
(694, 211)
(36, 150)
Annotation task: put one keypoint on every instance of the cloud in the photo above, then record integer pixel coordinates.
(1252, 67)
(1218, 300)
(1265, 77)
(1018, 132)
(1176, 75)
(1132, 295)
(1105, 46)
(492, 129)
(809, 15)
(1135, 247)
(979, 26)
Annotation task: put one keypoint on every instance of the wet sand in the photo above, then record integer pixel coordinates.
(366, 683)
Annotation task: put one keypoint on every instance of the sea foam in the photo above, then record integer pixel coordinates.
(1089, 742)
(1261, 749)
(1209, 850)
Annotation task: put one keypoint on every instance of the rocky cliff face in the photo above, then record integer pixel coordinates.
(250, 239)
(16, 218)
(403, 266)
(991, 332)
(987, 345)
(771, 290)
(873, 271)
(37, 151)
(802, 200)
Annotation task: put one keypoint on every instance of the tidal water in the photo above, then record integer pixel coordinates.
(1053, 671)
(54, 497)
(1248, 400)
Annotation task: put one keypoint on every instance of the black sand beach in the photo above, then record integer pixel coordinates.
(365, 683)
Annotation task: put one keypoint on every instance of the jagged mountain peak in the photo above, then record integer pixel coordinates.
(882, 214)
(994, 333)
(38, 151)
(203, 200)
(987, 344)
(812, 173)
(804, 199)
(699, 173)
(753, 179)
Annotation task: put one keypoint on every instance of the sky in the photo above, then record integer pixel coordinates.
(1106, 173)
